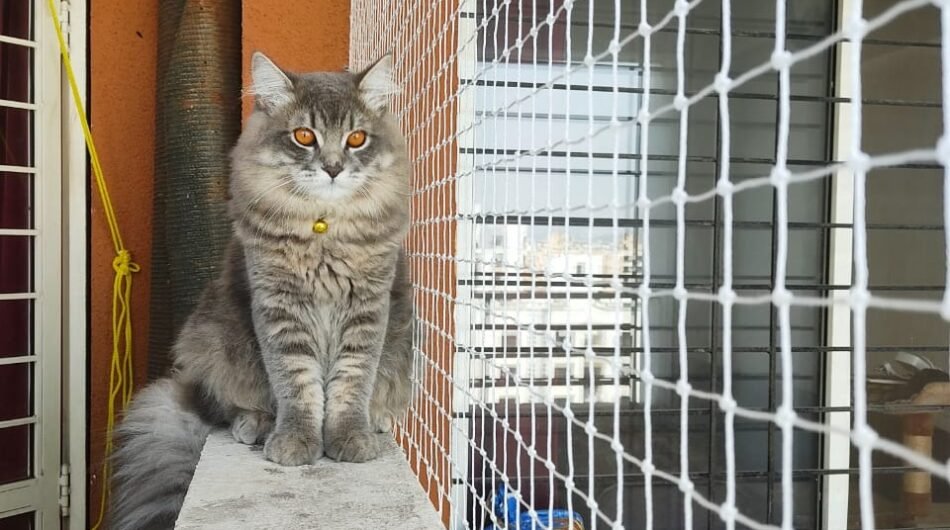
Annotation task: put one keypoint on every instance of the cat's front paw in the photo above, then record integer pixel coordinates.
(356, 446)
(251, 427)
(292, 448)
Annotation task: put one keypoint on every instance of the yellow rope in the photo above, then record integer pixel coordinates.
(120, 372)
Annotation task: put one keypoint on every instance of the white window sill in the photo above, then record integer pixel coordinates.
(235, 487)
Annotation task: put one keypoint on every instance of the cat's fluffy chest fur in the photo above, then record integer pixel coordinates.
(325, 276)
(326, 268)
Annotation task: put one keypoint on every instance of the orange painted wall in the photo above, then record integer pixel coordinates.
(298, 35)
(122, 48)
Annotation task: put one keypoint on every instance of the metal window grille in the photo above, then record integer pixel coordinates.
(660, 250)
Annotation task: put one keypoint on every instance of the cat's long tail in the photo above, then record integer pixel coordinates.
(159, 442)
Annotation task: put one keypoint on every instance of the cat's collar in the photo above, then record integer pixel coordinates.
(320, 226)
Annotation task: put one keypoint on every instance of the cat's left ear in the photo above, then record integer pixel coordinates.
(376, 84)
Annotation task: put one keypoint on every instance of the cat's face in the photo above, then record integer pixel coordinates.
(323, 137)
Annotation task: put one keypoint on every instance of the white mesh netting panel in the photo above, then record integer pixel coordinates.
(678, 264)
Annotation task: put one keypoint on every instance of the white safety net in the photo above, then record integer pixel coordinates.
(656, 252)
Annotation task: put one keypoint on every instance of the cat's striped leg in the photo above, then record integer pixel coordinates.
(296, 377)
(347, 430)
(297, 438)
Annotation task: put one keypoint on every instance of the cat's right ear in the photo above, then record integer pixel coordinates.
(376, 84)
(269, 84)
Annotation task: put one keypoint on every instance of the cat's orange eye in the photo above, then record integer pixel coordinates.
(304, 136)
(356, 139)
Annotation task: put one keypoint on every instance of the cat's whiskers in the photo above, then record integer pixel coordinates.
(283, 181)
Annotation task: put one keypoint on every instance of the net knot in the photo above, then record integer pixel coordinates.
(727, 296)
(855, 28)
(727, 404)
(860, 297)
(679, 196)
(945, 307)
(781, 59)
(722, 83)
(724, 187)
(614, 47)
(643, 117)
(680, 102)
(647, 377)
(683, 388)
(567, 346)
(860, 162)
(681, 8)
(864, 436)
(728, 512)
(779, 176)
(123, 263)
(686, 486)
(943, 151)
(781, 297)
(644, 291)
(648, 468)
(785, 416)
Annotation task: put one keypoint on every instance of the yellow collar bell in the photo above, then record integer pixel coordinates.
(320, 226)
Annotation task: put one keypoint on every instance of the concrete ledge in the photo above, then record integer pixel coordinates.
(235, 487)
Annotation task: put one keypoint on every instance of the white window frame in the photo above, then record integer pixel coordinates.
(60, 277)
(836, 450)
(464, 314)
(40, 494)
(75, 273)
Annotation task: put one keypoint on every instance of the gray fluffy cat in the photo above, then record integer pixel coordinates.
(304, 340)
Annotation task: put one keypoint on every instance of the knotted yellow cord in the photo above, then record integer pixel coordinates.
(120, 372)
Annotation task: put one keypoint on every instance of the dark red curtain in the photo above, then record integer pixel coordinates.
(15, 251)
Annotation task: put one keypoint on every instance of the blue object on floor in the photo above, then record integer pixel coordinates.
(507, 509)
